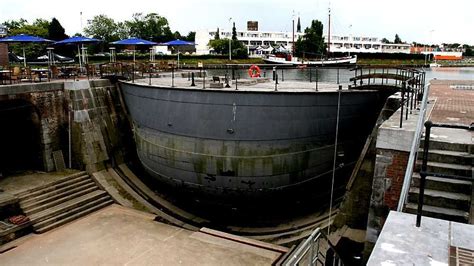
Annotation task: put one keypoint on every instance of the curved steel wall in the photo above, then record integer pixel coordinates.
(241, 142)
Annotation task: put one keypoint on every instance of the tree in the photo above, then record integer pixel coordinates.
(217, 36)
(385, 40)
(234, 33)
(38, 28)
(102, 27)
(468, 51)
(150, 27)
(191, 36)
(56, 32)
(312, 41)
(221, 46)
(397, 39)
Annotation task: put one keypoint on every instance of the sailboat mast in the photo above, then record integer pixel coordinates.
(329, 33)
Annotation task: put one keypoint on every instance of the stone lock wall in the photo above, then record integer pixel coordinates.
(3, 55)
(96, 113)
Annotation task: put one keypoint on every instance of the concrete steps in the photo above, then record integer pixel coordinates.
(451, 157)
(444, 198)
(62, 201)
(444, 184)
(446, 168)
(440, 213)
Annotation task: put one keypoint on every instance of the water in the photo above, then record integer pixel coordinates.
(330, 75)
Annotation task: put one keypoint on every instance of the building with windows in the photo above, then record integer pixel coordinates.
(250, 38)
(357, 44)
(254, 38)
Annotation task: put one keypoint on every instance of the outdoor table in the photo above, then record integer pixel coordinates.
(42, 72)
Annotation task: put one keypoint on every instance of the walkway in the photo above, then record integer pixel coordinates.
(120, 236)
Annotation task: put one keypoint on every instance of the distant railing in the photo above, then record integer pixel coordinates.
(312, 252)
(409, 81)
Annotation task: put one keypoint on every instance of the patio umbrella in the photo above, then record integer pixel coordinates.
(24, 38)
(134, 42)
(78, 40)
(177, 43)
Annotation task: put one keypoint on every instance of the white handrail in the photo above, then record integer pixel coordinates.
(414, 148)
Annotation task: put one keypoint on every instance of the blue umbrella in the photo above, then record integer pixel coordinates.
(24, 38)
(78, 40)
(177, 42)
(134, 42)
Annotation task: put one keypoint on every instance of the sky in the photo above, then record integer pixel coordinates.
(423, 21)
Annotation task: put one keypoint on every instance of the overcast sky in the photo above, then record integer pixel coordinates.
(414, 20)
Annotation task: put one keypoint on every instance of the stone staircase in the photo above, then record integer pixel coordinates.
(62, 201)
(445, 198)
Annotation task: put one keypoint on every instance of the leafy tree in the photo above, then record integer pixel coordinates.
(177, 35)
(38, 28)
(468, 51)
(56, 32)
(234, 33)
(102, 27)
(217, 36)
(150, 26)
(397, 39)
(385, 40)
(190, 37)
(312, 42)
(221, 46)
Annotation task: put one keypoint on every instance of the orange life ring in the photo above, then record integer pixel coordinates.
(254, 71)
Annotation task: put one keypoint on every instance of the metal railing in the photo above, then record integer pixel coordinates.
(424, 165)
(414, 149)
(313, 252)
(409, 81)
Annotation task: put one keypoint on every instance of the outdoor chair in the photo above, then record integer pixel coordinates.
(15, 74)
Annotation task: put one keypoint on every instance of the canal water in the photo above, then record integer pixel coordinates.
(331, 75)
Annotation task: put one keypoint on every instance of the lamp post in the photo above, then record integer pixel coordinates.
(230, 40)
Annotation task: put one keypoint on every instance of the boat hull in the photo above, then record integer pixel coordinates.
(234, 143)
(351, 60)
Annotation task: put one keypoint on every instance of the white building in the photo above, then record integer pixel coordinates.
(356, 44)
(248, 38)
(255, 38)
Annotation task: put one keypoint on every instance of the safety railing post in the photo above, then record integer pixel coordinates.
(424, 164)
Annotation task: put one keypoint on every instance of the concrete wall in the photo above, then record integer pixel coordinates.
(97, 120)
(96, 114)
(392, 153)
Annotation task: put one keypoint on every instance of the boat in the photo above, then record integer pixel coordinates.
(288, 59)
(250, 143)
(295, 61)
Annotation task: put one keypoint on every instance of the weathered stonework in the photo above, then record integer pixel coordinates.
(96, 117)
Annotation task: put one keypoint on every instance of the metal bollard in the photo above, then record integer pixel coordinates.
(276, 81)
(192, 80)
(172, 76)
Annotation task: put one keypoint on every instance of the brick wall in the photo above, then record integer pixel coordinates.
(390, 167)
(3, 54)
(394, 178)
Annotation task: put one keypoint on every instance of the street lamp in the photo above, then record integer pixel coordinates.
(230, 40)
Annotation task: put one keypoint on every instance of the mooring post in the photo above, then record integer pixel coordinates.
(172, 76)
(274, 72)
(282, 75)
(276, 81)
(233, 73)
(402, 103)
(204, 79)
(236, 86)
(192, 80)
(317, 79)
(310, 75)
(149, 78)
(337, 75)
